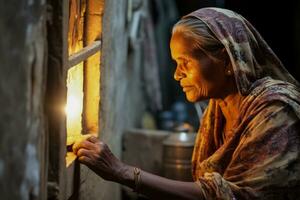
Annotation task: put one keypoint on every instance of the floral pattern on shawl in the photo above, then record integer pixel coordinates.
(264, 147)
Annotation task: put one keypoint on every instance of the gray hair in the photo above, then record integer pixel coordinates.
(203, 38)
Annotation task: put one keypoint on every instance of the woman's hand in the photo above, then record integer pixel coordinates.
(98, 157)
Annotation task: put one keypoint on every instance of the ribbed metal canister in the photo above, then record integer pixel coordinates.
(177, 154)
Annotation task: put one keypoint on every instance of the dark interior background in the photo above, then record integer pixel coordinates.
(277, 21)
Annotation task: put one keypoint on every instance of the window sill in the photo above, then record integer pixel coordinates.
(70, 158)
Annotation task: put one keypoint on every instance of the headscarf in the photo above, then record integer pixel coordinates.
(264, 144)
(250, 55)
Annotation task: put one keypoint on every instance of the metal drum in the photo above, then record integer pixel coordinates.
(177, 154)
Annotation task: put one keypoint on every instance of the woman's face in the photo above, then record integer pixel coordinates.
(200, 76)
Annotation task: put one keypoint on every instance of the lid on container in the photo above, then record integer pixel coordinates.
(180, 139)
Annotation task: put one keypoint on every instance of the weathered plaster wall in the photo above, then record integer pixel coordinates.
(55, 98)
(23, 142)
(121, 96)
(297, 39)
(22, 77)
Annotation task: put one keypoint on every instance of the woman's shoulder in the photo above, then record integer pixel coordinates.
(268, 95)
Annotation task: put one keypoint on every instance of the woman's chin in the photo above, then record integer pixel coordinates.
(194, 98)
(191, 98)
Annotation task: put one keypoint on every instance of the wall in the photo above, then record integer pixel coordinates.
(23, 155)
(29, 90)
(297, 39)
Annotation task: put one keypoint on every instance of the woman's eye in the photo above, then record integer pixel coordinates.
(185, 64)
(182, 64)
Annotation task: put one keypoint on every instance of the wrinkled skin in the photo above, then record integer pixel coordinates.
(98, 157)
(200, 76)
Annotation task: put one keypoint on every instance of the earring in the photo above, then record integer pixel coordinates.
(227, 65)
(229, 73)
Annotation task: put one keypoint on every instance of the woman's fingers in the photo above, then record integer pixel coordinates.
(85, 160)
(84, 152)
(92, 139)
(80, 142)
(84, 144)
(98, 157)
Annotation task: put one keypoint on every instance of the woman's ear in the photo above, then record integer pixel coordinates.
(224, 56)
(229, 70)
(228, 67)
(226, 60)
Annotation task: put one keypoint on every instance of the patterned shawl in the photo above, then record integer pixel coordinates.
(261, 158)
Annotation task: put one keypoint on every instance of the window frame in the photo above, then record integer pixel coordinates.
(82, 55)
(63, 181)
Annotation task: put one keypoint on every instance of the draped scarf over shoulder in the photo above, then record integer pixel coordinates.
(263, 149)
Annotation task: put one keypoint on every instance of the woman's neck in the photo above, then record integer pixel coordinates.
(230, 107)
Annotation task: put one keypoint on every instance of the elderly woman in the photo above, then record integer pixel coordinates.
(248, 145)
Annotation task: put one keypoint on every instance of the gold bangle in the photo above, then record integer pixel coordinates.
(137, 179)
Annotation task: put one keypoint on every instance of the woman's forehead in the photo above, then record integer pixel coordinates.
(181, 45)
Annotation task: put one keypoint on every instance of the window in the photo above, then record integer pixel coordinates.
(74, 45)
(83, 71)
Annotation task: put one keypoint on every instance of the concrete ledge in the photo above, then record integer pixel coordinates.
(143, 148)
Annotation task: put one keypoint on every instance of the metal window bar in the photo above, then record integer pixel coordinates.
(84, 53)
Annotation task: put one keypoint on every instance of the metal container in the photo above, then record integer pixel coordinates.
(177, 154)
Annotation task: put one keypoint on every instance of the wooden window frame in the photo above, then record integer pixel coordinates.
(72, 183)
(63, 181)
(84, 54)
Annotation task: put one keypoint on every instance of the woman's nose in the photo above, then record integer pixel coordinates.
(178, 75)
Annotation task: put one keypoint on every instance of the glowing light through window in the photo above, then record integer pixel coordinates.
(74, 104)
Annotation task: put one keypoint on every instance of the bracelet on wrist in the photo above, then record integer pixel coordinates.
(137, 179)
